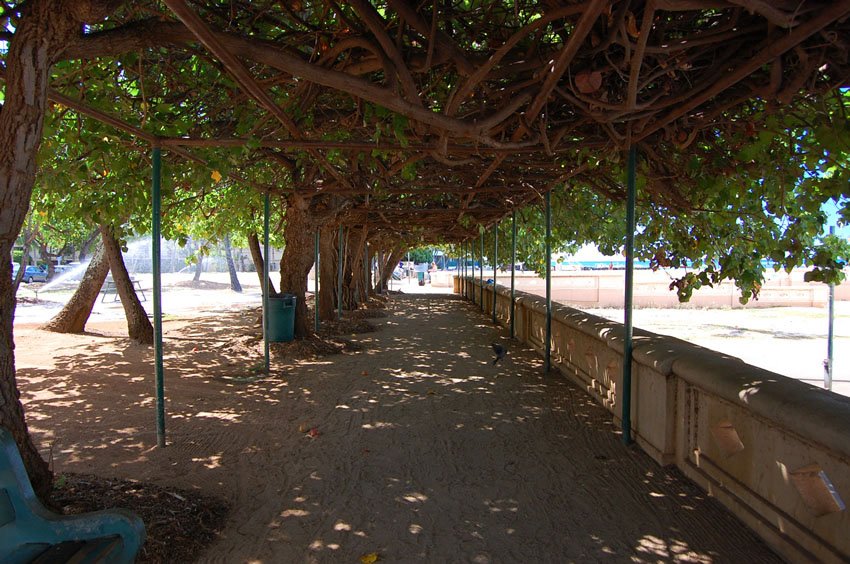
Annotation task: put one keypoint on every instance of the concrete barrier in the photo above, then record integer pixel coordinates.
(604, 288)
(774, 450)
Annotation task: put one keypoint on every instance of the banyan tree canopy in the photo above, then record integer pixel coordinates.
(434, 117)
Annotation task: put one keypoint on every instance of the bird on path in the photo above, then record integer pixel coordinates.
(500, 351)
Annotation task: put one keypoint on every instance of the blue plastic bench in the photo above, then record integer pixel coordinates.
(31, 533)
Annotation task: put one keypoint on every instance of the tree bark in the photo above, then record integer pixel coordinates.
(231, 266)
(259, 262)
(354, 291)
(75, 314)
(328, 275)
(297, 259)
(48, 258)
(43, 30)
(138, 325)
(199, 264)
(392, 259)
(86, 246)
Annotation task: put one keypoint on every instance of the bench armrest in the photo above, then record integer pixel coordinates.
(24, 520)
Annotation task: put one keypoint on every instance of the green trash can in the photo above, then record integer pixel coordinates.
(282, 318)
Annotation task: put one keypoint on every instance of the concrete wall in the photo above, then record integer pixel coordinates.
(602, 288)
(774, 450)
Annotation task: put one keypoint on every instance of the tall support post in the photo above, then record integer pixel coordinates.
(316, 294)
(465, 268)
(379, 284)
(830, 336)
(461, 269)
(156, 253)
(513, 272)
(628, 298)
(481, 272)
(266, 261)
(463, 253)
(366, 273)
(495, 265)
(339, 277)
(547, 359)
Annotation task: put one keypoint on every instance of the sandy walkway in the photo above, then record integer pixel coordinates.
(425, 451)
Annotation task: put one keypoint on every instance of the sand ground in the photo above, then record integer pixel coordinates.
(422, 450)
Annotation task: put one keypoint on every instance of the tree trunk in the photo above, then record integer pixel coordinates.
(370, 279)
(328, 275)
(44, 28)
(231, 267)
(297, 259)
(85, 248)
(390, 264)
(138, 325)
(354, 284)
(259, 262)
(48, 258)
(75, 314)
(199, 264)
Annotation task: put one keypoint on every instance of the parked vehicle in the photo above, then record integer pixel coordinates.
(34, 274)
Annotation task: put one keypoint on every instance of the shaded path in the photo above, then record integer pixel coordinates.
(426, 452)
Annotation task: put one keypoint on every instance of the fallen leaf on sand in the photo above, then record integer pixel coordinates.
(370, 558)
(431, 392)
(364, 373)
(303, 428)
(313, 433)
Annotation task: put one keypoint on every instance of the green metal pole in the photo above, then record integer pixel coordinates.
(266, 260)
(339, 278)
(316, 299)
(547, 362)
(459, 267)
(628, 299)
(495, 265)
(379, 285)
(481, 272)
(830, 333)
(466, 268)
(156, 253)
(513, 272)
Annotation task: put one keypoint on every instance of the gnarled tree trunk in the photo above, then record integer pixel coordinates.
(231, 267)
(354, 280)
(75, 314)
(138, 325)
(297, 259)
(259, 262)
(391, 262)
(302, 218)
(44, 28)
(328, 274)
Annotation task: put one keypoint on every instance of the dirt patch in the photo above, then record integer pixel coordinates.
(179, 524)
(373, 313)
(346, 327)
(312, 347)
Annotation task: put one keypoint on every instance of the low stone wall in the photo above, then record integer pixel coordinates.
(603, 288)
(774, 450)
